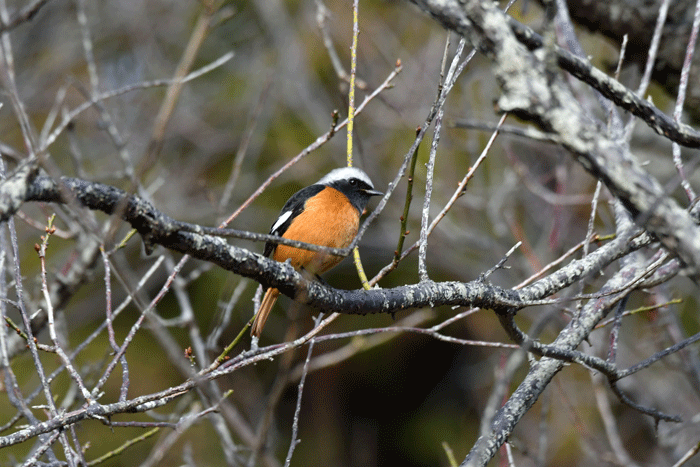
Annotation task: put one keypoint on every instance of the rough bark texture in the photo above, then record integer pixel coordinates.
(637, 19)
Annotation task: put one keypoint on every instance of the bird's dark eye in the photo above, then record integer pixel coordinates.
(353, 181)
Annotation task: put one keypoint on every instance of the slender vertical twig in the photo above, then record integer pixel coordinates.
(351, 123)
(444, 86)
(651, 60)
(680, 100)
(297, 409)
(41, 250)
(353, 73)
(407, 204)
(108, 122)
(109, 320)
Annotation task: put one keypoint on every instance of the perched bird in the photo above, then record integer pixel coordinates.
(326, 213)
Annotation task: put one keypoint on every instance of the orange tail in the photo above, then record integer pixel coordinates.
(266, 305)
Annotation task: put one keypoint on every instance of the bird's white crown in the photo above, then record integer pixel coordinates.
(345, 173)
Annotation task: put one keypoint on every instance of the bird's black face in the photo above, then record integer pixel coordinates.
(358, 191)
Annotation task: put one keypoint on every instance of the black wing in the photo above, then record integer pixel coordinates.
(294, 206)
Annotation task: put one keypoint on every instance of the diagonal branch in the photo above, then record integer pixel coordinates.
(533, 92)
(161, 229)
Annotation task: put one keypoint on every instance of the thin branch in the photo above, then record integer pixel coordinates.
(24, 15)
(430, 166)
(658, 356)
(199, 33)
(680, 99)
(297, 410)
(610, 88)
(692, 452)
(321, 140)
(70, 116)
(609, 422)
(109, 320)
(651, 60)
(50, 312)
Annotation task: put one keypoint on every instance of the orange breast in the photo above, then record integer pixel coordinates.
(328, 220)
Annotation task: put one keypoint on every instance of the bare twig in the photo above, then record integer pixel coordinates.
(312, 147)
(109, 319)
(295, 423)
(70, 116)
(41, 250)
(680, 99)
(25, 14)
(692, 452)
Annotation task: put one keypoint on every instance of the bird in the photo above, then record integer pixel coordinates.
(326, 213)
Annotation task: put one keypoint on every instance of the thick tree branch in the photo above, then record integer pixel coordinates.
(533, 92)
(160, 229)
(612, 89)
(636, 19)
(541, 373)
(532, 89)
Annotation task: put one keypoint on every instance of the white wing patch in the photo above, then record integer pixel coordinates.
(284, 217)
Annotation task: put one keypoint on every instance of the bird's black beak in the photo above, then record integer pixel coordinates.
(374, 193)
